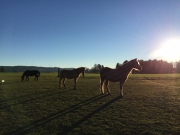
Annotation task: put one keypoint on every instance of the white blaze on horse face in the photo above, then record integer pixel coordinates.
(138, 68)
(83, 72)
(139, 65)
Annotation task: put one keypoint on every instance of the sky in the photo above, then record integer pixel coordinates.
(75, 33)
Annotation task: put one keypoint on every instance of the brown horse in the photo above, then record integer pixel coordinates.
(70, 74)
(118, 75)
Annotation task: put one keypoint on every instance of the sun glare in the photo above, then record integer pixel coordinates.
(170, 50)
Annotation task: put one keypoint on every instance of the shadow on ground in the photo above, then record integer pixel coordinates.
(65, 129)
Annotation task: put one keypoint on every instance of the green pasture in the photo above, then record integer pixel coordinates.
(151, 106)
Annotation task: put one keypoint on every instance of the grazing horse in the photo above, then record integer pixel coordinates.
(119, 74)
(28, 73)
(70, 74)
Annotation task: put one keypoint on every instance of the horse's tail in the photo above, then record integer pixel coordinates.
(101, 86)
(38, 74)
(101, 83)
(58, 72)
(22, 77)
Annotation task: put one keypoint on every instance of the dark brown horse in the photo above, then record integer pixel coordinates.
(70, 74)
(118, 75)
(28, 73)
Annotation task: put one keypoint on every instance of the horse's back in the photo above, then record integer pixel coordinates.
(105, 70)
(31, 73)
(109, 74)
(66, 74)
(36, 72)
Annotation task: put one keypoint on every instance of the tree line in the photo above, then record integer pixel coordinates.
(148, 67)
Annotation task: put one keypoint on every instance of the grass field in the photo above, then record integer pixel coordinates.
(151, 105)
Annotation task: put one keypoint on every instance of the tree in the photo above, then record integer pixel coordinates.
(178, 67)
(96, 68)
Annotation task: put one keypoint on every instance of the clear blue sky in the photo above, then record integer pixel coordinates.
(74, 33)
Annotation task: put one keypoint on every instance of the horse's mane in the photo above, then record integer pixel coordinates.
(81, 68)
(124, 64)
(127, 63)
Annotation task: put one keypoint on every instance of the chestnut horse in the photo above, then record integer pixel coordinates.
(28, 73)
(119, 74)
(70, 74)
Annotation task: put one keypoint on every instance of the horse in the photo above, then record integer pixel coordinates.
(28, 73)
(70, 74)
(119, 74)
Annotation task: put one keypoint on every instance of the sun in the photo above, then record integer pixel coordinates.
(169, 50)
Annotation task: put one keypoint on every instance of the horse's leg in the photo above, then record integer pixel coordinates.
(27, 79)
(75, 80)
(64, 79)
(102, 86)
(107, 86)
(121, 88)
(60, 79)
(36, 78)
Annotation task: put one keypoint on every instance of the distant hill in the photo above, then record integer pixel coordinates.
(24, 68)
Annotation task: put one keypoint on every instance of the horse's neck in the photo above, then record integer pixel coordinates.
(79, 71)
(24, 74)
(126, 69)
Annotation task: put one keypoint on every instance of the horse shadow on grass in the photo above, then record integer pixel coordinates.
(65, 129)
(70, 128)
(4, 104)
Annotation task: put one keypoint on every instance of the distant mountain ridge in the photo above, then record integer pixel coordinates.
(24, 68)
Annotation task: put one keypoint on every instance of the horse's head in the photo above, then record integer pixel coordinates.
(137, 65)
(83, 69)
(22, 78)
